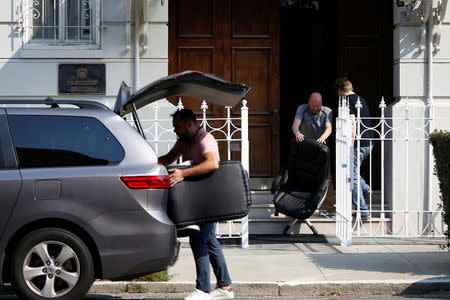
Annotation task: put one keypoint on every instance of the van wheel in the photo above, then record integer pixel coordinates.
(51, 263)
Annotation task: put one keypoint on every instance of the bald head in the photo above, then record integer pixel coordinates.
(315, 102)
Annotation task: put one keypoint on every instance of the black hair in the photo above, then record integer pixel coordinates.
(185, 115)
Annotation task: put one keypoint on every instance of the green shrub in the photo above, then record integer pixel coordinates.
(159, 276)
(441, 149)
(136, 288)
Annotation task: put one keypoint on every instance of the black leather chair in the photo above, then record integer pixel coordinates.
(303, 189)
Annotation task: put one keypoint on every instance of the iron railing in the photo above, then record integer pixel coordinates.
(231, 131)
(405, 207)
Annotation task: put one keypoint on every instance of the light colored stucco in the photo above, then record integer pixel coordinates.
(407, 161)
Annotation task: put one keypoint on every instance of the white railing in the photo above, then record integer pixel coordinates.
(404, 207)
(159, 133)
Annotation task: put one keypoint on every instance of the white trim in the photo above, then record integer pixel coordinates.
(421, 60)
(90, 58)
(61, 52)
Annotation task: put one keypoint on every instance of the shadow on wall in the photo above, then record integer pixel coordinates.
(410, 46)
(409, 43)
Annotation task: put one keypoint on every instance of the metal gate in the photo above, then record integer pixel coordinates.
(405, 204)
(344, 155)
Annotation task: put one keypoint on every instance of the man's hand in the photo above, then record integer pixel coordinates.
(321, 140)
(299, 137)
(176, 176)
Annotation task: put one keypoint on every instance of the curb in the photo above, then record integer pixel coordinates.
(320, 288)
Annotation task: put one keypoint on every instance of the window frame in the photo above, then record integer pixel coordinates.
(62, 43)
(8, 146)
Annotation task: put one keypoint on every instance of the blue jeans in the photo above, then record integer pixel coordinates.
(364, 152)
(207, 249)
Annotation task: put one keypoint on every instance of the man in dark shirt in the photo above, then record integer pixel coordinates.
(344, 88)
(312, 120)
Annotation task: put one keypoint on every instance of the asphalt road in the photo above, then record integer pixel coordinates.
(440, 295)
(445, 295)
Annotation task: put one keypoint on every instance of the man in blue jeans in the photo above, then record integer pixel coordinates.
(344, 88)
(195, 144)
(364, 190)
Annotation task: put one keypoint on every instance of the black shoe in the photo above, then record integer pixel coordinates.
(364, 216)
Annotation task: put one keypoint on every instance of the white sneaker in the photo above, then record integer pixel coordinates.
(190, 227)
(198, 295)
(222, 294)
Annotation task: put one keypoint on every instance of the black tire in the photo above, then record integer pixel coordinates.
(71, 278)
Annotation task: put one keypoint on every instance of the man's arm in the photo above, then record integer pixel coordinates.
(295, 126)
(211, 163)
(326, 133)
(169, 158)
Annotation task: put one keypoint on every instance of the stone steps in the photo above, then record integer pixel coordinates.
(262, 220)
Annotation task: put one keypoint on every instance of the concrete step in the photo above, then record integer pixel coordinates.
(259, 197)
(262, 220)
(324, 225)
(263, 207)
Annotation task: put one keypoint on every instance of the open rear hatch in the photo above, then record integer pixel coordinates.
(193, 84)
(189, 202)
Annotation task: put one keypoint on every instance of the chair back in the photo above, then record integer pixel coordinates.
(308, 164)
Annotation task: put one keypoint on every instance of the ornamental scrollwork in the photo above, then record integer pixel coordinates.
(35, 11)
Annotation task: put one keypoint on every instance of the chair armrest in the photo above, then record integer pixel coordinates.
(276, 181)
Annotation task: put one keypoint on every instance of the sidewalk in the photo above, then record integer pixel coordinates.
(307, 266)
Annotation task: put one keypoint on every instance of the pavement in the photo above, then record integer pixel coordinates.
(313, 266)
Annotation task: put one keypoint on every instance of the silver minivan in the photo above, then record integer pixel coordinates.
(82, 195)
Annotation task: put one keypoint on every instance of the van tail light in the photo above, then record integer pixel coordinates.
(146, 182)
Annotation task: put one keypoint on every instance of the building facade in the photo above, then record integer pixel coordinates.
(282, 49)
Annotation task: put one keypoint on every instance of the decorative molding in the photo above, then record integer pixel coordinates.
(418, 13)
(145, 22)
(128, 26)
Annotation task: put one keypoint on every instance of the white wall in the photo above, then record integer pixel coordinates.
(407, 161)
(33, 73)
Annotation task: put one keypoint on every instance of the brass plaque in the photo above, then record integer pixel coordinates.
(81, 79)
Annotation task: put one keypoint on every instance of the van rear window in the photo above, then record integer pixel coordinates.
(62, 141)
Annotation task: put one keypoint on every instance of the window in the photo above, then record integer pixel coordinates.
(7, 159)
(57, 22)
(58, 141)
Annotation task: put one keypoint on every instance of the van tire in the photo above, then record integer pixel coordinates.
(51, 258)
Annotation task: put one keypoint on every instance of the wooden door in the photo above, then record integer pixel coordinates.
(238, 41)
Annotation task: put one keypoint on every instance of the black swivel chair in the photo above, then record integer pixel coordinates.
(303, 190)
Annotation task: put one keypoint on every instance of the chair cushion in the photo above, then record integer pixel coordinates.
(296, 207)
